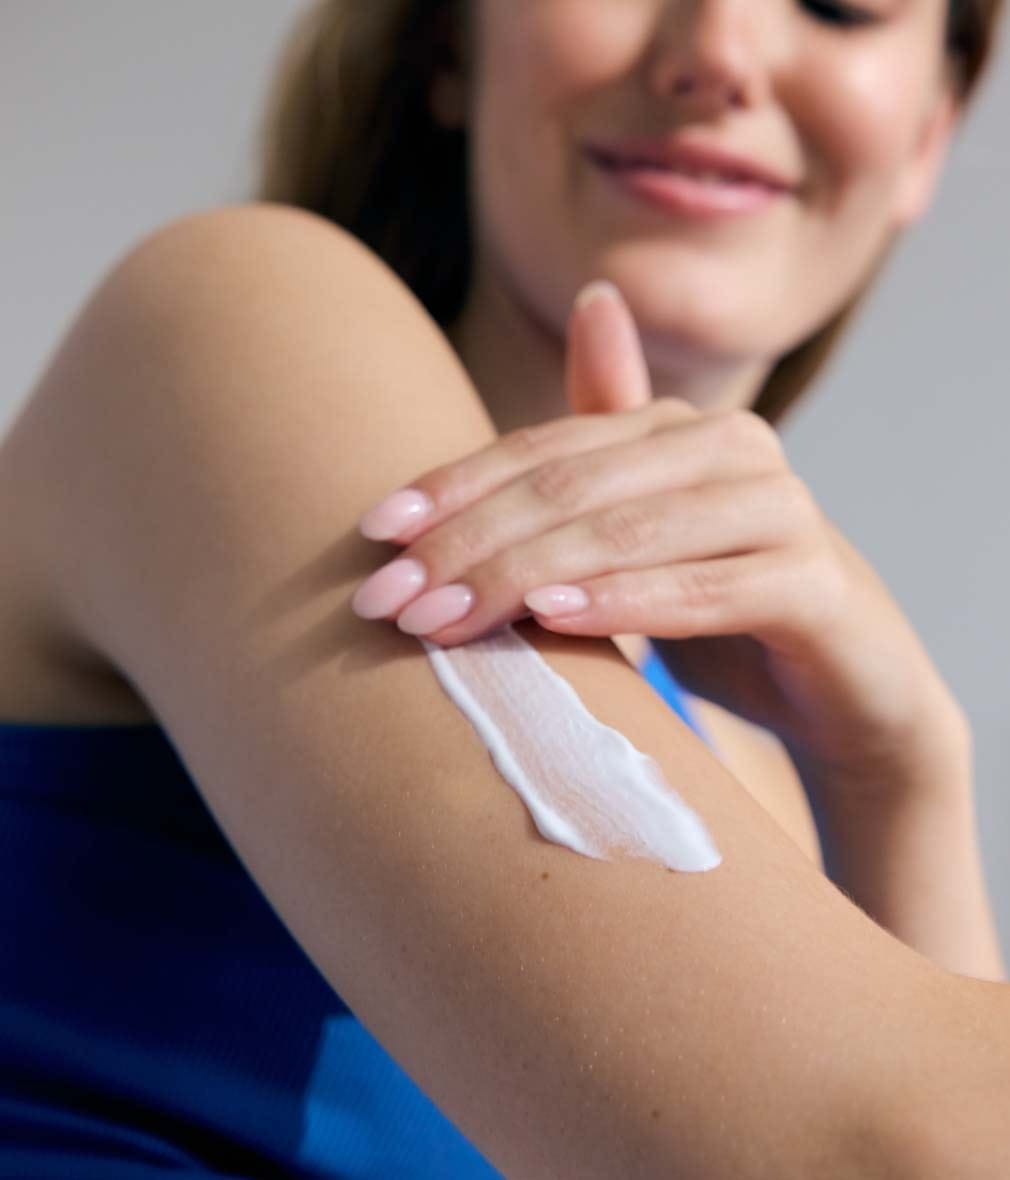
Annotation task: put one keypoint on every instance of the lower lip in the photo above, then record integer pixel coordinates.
(683, 195)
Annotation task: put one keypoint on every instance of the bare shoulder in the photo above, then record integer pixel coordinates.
(212, 350)
(241, 266)
(226, 282)
(242, 224)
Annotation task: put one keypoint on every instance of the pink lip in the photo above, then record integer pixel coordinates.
(681, 195)
(677, 151)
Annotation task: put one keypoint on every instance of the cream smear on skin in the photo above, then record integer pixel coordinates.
(585, 785)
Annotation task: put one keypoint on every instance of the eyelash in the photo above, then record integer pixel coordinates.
(840, 14)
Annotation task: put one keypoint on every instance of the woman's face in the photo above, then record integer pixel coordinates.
(855, 113)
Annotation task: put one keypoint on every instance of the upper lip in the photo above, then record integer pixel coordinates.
(675, 152)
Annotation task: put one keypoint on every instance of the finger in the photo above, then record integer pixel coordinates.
(752, 593)
(710, 520)
(449, 487)
(574, 486)
(605, 367)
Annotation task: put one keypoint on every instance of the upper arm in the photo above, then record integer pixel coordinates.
(239, 389)
(762, 764)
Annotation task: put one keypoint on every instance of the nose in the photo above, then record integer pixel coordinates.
(710, 54)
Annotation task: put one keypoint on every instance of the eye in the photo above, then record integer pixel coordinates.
(839, 14)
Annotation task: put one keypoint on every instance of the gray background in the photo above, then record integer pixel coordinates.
(117, 115)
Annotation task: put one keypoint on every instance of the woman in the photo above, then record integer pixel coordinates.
(330, 939)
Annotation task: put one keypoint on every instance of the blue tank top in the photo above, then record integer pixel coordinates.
(155, 1012)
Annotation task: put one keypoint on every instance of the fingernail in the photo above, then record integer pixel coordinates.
(437, 608)
(597, 289)
(389, 588)
(391, 516)
(557, 600)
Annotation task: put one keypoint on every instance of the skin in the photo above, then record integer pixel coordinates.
(436, 924)
(860, 117)
(571, 1017)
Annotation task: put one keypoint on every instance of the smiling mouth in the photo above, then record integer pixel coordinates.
(706, 193)
(702, 174)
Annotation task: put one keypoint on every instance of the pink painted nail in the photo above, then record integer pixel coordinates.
(391, 516)
(389, 588)
(437, 608)
(557, 600)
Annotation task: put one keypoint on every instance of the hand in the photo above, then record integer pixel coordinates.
(690, 528)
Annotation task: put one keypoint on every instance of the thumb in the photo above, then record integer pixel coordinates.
(605, 367)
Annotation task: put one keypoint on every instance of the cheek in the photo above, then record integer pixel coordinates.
(548, 71)
(858, 116)
(564, 46)
(545, 67)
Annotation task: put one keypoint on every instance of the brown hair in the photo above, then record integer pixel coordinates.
(347, 133)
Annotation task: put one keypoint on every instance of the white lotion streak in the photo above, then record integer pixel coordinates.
(586, 786)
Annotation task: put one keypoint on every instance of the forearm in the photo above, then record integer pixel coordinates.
(903, 844)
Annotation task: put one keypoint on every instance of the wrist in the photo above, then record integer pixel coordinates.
(932, 760)
(930, 755)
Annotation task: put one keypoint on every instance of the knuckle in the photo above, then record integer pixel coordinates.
(746, 429)
(560, 482)
(797, 499)
(526, 443)
(450, 549)
(701, 585)
(508, 574)
(669, 411)
(446, 486)
(626, 529)
(827, 582)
